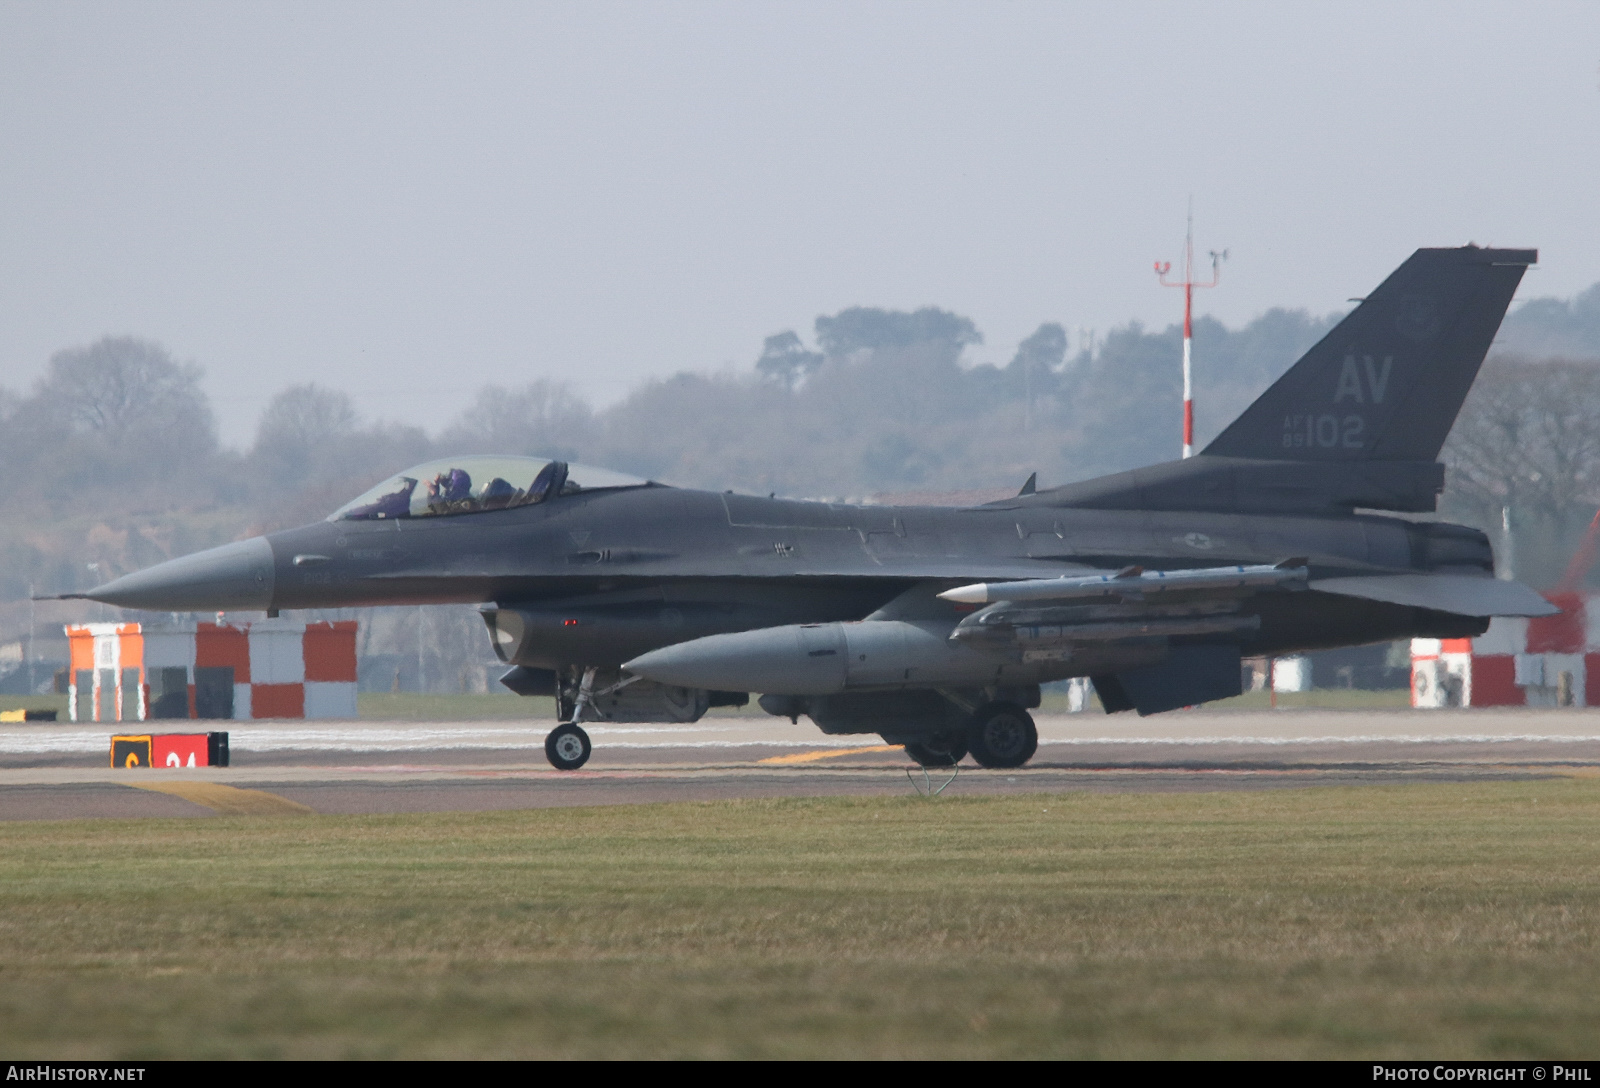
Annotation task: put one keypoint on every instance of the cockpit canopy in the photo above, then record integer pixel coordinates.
(469, 485)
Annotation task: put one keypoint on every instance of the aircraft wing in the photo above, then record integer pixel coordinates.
(1461, 594)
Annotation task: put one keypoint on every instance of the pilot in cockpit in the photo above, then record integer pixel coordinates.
(450, 491)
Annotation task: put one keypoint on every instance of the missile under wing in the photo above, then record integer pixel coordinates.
(628, 600)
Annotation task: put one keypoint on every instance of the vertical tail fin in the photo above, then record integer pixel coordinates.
(1387, 382)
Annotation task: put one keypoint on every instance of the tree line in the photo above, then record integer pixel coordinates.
(115, 463)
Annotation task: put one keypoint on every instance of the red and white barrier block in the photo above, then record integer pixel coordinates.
(268, 669)
(1547, 661)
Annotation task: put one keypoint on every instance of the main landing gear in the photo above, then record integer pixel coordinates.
(999, 735)
(1002, 736)
(944, 751)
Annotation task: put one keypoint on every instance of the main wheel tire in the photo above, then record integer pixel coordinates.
(567, 747)
(938, 751)
(1002, 736)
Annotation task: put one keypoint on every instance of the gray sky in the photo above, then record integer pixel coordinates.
(408, 201)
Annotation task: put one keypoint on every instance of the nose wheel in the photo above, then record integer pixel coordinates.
(567, 747)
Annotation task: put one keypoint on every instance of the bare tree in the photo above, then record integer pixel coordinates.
(1529, 436)
(542, 418)
(1527, 447)
(312, 454)
(119, 385)
(304, 415)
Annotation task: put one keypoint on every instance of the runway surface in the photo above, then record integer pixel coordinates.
(60, 771)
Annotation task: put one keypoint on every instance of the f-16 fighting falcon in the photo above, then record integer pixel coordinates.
(632, 601)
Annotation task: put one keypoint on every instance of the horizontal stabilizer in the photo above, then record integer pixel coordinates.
(1461, 594)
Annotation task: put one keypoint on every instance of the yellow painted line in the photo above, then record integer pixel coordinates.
(228, 800)
(830, 753)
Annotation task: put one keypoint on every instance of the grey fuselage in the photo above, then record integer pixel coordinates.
(622, 571)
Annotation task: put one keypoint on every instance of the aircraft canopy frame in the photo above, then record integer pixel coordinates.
(476, 483)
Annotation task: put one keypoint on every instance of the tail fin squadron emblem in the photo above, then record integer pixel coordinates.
(1418, 318)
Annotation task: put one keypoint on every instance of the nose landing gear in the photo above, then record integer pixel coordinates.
(567, 747)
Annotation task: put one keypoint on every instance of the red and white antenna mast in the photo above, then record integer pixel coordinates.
(1188, 284)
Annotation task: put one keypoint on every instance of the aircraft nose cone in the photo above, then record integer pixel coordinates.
(236, 577)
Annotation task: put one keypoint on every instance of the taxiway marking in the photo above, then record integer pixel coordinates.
(228, 800)
(829, 753)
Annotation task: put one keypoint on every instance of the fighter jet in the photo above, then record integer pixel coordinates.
(632, 601)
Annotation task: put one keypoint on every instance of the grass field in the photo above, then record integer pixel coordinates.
(1429, 921)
